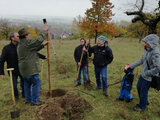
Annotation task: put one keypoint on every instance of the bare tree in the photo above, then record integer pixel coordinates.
(5, 28)
(149, 19)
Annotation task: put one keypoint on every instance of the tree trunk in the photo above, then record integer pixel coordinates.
(96, 37)
(152, 29)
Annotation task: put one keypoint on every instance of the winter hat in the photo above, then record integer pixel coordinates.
(23, 32)
(102, 38)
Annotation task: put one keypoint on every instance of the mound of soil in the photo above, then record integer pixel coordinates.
(69, 106)
(57, 93)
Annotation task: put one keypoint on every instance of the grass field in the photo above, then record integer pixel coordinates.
(125, 50)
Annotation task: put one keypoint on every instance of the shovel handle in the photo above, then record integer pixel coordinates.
(12, 88)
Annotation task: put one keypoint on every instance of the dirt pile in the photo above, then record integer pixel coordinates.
(69, 106)
(57, 93)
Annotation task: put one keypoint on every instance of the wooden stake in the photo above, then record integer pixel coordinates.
(48, 56)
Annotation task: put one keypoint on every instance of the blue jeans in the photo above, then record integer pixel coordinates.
(103, 72)
(34, 83)
(15, 77)
(84, 68)
(143, 87)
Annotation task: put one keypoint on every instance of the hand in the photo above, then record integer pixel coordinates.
(84, 48)
(46, 28)
(127, 67)
(45, 43)
(79, 64)
(2, 76)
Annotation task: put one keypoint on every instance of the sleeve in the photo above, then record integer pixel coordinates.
(137, 63)
(76, 55)
(156, 63)
(40, 47)
(36, 43)
(41, 56)
(109, 56)
(2, 60)
(90, 50)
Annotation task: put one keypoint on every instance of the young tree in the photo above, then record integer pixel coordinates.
(5, 28)
(97, 18)
(149, 19)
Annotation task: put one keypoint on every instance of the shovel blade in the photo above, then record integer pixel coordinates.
(15, 114)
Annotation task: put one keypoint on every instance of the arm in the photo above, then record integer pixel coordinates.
(156, 63)
(76, 55)
(37, 43)
(109, 56)
(2, 60)
(90, 50)
(137, 63)
(40, 47)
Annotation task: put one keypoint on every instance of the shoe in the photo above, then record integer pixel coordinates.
(120, 99)
(148, 103)
(37, 103)
(128, 100)
(97, 88)
(105, 94)
(138, 109)
(77, 84)
(28, 102)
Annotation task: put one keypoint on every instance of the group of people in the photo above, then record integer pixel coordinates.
(22, 55)
(103, 56)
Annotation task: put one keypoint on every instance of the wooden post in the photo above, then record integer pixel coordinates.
(48, 56)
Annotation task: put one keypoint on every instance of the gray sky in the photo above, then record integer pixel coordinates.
(69, 8)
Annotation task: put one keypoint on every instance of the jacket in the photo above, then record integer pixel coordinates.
(102, 55)
(9, 54)
(152, 55)
(28, 59)
(78, 53)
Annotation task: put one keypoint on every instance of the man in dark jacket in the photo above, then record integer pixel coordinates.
(9, 54)
(83, 63)
(29, 66)
(102, 57)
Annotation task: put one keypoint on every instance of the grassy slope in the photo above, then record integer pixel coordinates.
(125, 50)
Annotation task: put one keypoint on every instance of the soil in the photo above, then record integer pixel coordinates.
(57, 93)
(68, 106)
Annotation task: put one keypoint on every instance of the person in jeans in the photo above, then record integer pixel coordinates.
(29, 66)
(83, 64)
(102, 57)
(9, 54)
(151, 56)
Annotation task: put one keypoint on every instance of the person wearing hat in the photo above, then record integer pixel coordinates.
(29, 66)
(9, 55)
(83, 64)
(102, 57)
(151, 67)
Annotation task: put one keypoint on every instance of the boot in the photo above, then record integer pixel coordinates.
(105, 93)
(77, 84)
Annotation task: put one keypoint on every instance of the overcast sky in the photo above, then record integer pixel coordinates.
(69, 8)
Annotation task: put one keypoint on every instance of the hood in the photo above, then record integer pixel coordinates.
(152, 40)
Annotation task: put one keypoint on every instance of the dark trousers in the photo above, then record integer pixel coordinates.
(143, 87)
(15, 77)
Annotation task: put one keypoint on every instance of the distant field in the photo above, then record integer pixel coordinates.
(125, 50)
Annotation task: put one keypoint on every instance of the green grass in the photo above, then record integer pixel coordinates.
(125, 50)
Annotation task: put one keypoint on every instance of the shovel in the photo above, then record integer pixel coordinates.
(15, 113)
(79, 66)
